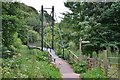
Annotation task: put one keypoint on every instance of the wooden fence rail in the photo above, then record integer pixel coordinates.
(104, 63)
(73, 57)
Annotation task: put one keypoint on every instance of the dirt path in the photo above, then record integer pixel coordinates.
(65, 69)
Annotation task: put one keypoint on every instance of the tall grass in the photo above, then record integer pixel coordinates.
(29, 63)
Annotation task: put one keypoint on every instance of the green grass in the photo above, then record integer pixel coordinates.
(78, 68)
(29, 64)
(113, 71)
(0, 70)
(94, 73)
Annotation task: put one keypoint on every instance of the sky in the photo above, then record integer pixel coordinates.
(58, 6)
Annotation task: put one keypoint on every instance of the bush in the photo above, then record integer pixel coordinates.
(71, 45)
(0, 69)
(79, 68)
(59, 52)
(94, 73)
(18, 43)
(29, 64)
(33, 36)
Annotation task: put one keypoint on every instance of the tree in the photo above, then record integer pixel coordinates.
(94, 22)
(10, 22)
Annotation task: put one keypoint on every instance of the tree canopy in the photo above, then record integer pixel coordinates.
(97, 22)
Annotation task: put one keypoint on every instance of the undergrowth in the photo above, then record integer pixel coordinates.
(28, 63)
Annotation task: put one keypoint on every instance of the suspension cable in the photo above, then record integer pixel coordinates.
(59, 30)
(48, 23)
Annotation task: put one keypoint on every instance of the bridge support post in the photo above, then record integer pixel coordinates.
(53, 27)
(42, 29)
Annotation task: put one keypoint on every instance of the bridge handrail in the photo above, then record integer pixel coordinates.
(51, 57)
(113, 57)
(47, 43)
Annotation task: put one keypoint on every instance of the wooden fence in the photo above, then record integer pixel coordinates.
(73, 57)
(105, 62)
(111, 68)
(112, 64)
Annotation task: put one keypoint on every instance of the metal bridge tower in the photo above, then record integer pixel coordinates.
(42, 12)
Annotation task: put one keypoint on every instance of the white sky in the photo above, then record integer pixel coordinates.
(58, 6)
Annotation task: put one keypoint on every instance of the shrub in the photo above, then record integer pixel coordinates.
(94, 73)
(18, 43)
(79, 68)
(59, 52)
(29, 64)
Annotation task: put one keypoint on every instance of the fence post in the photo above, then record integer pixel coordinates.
(63, 53)
(80, 47)
(105, 62)
(68, 55)
(73, 56)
